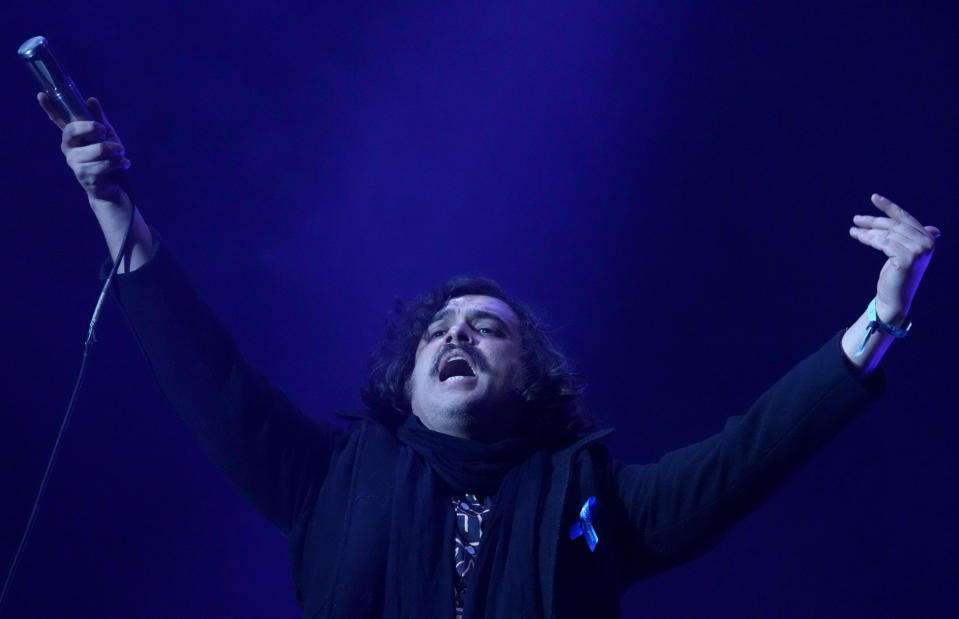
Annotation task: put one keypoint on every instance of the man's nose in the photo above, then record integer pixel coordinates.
(459, 333)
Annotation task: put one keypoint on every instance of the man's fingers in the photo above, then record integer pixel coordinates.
(95, 170)
(890, 244)
(876, 237)
(93, 104)
(96, 109)
(901, 249)
(934, 231)
(93, 174)
(915, 246)
(921, 235)
(94, 152)
(54, 113)
(83, 132)
(895, 211)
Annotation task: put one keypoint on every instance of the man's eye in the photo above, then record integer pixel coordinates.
(488, 331)
(437, 333)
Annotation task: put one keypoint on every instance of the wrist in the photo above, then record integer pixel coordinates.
(895, 316)
(111, 214)
(871, 325)
(114, 217)
(117, 202)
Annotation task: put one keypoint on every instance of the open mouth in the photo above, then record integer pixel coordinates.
(456, 366)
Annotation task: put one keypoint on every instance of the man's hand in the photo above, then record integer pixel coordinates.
(908, 246)
(93, 151)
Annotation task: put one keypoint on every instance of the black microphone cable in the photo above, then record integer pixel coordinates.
(62, 91)
(87, 346)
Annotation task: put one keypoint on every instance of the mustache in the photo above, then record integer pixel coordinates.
(480, 362)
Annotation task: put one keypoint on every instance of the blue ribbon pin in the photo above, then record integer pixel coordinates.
(585, 525)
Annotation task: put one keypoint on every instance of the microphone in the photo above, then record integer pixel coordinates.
(35, 52)
(57, 84)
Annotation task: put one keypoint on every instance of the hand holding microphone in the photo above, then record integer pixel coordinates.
(95, 154)
(92, 148)
(93, 151)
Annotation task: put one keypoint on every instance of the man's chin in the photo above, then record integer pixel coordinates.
(467, 414)
(460, 399)
(459, 402)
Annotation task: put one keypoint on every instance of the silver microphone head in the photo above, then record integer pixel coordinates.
(35, 52)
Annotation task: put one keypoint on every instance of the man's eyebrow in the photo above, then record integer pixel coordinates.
(473, 314)
(440, 315)
(491, 316)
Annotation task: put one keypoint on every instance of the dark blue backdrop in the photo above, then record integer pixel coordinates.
(670, 184)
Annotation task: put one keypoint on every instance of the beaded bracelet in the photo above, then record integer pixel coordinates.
(877, 325)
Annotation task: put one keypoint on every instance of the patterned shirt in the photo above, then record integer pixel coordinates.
(470, 513)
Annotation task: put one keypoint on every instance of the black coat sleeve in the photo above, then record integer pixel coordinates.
(271, 451)
(679, 506)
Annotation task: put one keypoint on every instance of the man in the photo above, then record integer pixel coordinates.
(474, 485)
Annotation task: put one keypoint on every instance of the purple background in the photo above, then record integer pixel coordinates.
(671, 186)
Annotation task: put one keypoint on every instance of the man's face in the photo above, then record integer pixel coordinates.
(463, 380)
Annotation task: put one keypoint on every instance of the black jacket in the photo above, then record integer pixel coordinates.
(328, 488)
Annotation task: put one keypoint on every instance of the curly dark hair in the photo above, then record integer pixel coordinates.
(547, 385)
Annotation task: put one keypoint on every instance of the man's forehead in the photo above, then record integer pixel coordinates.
(478, 303)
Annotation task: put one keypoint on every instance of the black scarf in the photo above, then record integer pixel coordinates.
(419, 576)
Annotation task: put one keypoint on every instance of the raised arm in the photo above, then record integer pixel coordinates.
(274, 454)
(678, 506)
